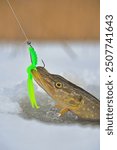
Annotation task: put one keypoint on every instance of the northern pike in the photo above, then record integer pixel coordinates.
(68, 96)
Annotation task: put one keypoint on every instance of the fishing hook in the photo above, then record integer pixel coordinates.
(43, 63)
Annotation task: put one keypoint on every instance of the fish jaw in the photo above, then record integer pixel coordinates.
(42, 82)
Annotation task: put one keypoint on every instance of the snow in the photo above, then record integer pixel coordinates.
(22, 128)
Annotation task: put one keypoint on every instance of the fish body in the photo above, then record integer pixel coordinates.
(68, 96)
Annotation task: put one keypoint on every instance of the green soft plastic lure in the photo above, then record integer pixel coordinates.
(30, 85)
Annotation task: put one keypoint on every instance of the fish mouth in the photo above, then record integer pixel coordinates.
(37, 77)
(41, 76)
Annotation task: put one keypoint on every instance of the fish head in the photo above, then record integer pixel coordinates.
(55, 85)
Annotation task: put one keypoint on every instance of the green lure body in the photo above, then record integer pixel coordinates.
(30, 85)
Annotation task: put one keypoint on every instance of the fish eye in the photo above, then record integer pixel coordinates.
(59, 85)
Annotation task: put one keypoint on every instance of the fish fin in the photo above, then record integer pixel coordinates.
(58, 106)
(63, 111)
(75, 102)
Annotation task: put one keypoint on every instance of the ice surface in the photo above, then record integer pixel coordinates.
(23, 128)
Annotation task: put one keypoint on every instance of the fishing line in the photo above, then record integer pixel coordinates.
(17, 20)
